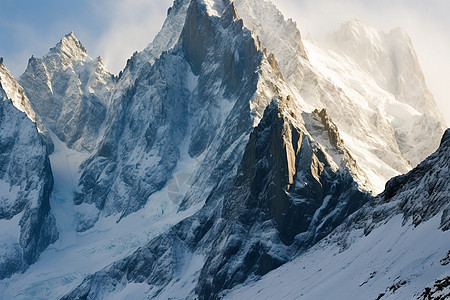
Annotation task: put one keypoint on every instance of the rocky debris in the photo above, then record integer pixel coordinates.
(446, 260)
(439, 291)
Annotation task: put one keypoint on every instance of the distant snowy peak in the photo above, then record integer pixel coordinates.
(15, 92)
(390, 58)
(279, 36)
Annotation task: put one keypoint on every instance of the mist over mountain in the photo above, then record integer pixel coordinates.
(229, 155)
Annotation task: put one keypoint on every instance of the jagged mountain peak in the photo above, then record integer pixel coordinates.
(199, 126)
(358, 37)
(70, 47)
(69, 91)
(356, 25)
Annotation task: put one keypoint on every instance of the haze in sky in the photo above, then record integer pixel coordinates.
(114, 29)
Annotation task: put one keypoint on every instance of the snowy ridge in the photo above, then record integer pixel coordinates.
(392, 248)
(381, 144)
(393, 262)
(15, 92)
(70, 92)
(167, 37)
(224, 149)
(27, 225)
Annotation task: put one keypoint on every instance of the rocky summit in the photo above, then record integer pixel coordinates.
(231, 158)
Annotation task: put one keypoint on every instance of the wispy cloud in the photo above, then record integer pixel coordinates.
(131, 26)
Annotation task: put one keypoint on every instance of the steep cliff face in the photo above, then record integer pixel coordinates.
(420, 194)
(70, 92)
(27, 226)
(391, 62)
(285, 195)
(175, 109)
(394, 247)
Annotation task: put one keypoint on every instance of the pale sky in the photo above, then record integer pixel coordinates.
(114, 29)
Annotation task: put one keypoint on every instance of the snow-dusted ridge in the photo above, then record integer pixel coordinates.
(393, 248)
(27, 225)
(70, 92)
(224, 149)
(393, 262)
(15, 92)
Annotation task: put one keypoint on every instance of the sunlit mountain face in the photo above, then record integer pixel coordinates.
(231, 158)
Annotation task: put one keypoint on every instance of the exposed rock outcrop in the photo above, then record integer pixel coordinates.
(26, 181)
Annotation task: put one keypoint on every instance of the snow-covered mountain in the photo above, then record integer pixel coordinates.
(225, 149)
(395, 247)
(26, 222)
(392, 64)
(70, 91)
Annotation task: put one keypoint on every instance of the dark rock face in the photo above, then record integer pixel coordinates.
(26, 178)
(195, 35)
(285, 198)
(180, 101)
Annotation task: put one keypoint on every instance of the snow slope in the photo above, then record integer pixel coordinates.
(392, 248)
(396, 260)
(224, 149)
(75, 255)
